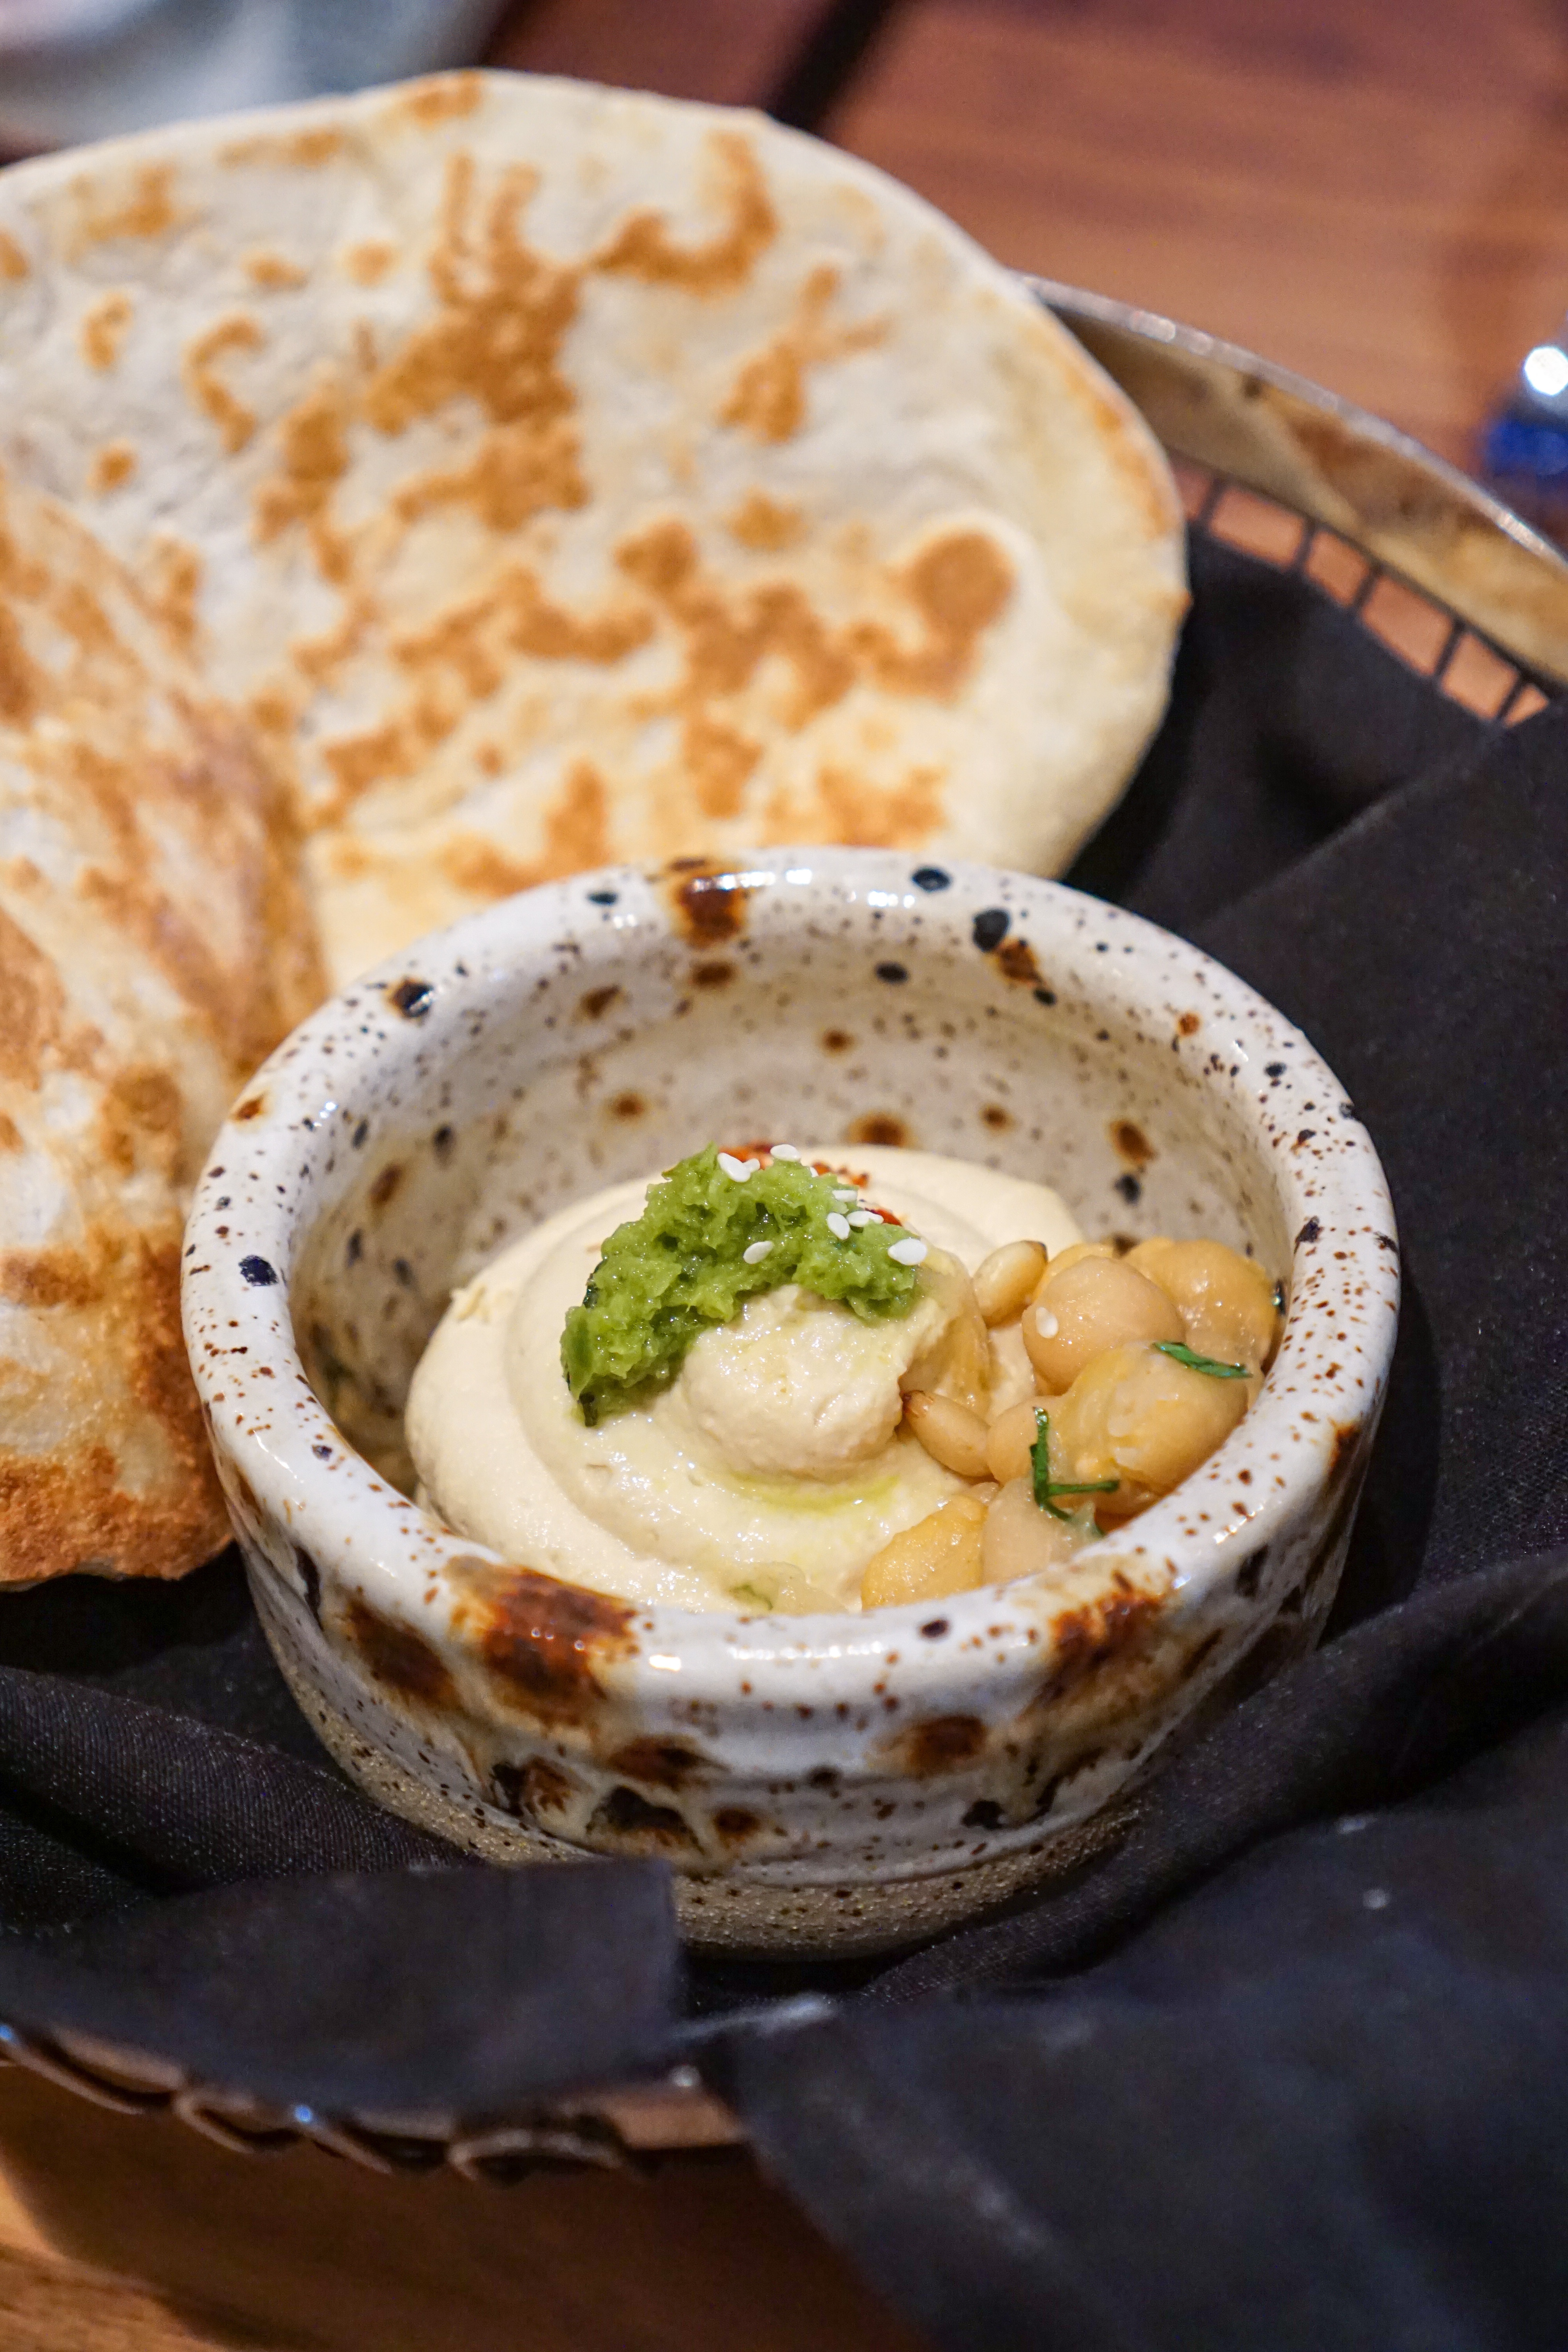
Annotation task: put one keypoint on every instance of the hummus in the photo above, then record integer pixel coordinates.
(775, 1464)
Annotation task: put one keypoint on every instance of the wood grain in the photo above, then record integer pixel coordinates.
(728, 51)
(44, 2308)
(131, 2235)
(1378, 197)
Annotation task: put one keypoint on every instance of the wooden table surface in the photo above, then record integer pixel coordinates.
(1377, 196)
(129, 2233)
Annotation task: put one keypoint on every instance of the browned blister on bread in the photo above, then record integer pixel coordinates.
(557, 475)
(154, 944)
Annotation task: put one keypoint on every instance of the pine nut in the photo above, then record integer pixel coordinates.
(1006, 1280)
(950, 1432)
(1009, 1439)
(938, 1556)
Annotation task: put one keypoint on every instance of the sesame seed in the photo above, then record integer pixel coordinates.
(785, 1152)
(839, 1226)
(756, 1252)
(845, 1192)
(908, 1252)
(864, 1217)
(739, 1169)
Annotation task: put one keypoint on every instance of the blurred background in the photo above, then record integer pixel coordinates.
(1375, 197)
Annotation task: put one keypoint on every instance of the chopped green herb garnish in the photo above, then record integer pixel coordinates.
(705, 1242)
(750, 1592)
(1048, 1488)
(1180, 1354)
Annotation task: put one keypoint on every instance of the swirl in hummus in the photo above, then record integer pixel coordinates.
(774, 1466)
(958, 1413)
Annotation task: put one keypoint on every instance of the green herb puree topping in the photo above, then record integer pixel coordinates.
(683, 1269)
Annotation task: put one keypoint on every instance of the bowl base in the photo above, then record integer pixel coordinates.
(730, 1911)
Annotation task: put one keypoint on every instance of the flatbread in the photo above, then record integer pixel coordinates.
(412, 498)
(556, 475)
(154, 944)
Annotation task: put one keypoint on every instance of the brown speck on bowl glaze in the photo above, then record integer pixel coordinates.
(881, 1126)
(629, 1823)
(544, 1642)
(1100, 1637)
(398, 1658)
(938, 1744)
(708, 900)
(534, 1788)
(659, 1763)
(1016, 961)
(736, 1823)
(1129, 1140)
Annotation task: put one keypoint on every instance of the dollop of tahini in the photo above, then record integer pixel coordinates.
(717, 1230)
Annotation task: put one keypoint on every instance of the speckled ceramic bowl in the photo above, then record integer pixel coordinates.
(819, 1783)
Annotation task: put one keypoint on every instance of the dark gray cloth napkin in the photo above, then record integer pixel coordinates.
(1290, 2067)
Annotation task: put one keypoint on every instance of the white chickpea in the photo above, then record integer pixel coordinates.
(1006, 1280)
(950, 1432)
(1074, 1255)
(1020, 1538)
(1096, 1303)
(1227, 1301)
(1139, 1417)
(1009, 1441)
(940, 1555)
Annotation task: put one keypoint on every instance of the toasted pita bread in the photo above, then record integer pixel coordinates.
(154, 944)
(557, 475)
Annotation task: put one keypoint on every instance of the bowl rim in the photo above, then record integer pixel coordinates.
(1345, 1258)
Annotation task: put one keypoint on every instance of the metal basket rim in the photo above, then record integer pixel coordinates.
(1265, 428)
